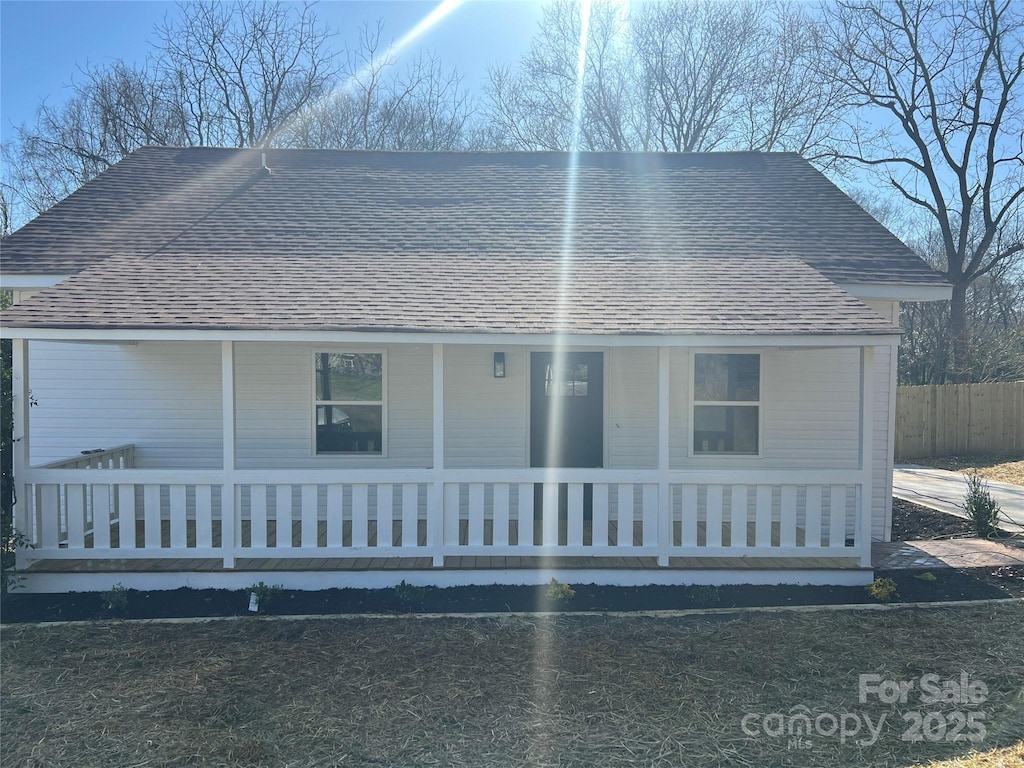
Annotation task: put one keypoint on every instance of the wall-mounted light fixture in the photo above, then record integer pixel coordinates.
(499, 365)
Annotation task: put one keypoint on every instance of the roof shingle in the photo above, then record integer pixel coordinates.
(657, 243)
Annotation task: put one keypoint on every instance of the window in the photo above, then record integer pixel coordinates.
(726, 403)
(567, 381)
(349, 407)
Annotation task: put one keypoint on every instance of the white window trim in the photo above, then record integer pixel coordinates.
(692, 389)
(383, 403)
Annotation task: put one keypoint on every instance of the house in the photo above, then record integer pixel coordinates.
(330, 368)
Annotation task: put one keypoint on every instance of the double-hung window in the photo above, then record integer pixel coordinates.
(349, 407)
(726, 403)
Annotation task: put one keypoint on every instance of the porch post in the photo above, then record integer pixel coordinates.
(228, 504)
(664, 489)
(20, 448)
(435, 509)
(867, 382)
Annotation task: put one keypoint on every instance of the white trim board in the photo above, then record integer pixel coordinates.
(29, 282)
(407, 337)
(34, 583)
(899, 292)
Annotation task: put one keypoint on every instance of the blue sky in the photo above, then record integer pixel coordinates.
(42, 44)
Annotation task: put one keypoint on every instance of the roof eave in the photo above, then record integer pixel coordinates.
(709, 340)
(900, 291)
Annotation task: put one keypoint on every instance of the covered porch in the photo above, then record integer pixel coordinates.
(115, 516)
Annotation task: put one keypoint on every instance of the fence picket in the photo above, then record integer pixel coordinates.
(948, 419)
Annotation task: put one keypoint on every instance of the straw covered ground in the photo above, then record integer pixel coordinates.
(1002, 469)
(511, 691)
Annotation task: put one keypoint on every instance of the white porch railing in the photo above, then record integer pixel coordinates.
(121, 457)
(141, 513)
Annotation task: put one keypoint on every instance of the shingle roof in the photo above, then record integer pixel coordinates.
(462, 293)
(204, 237)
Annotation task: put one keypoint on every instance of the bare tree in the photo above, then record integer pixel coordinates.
(111, 112)
(243, 70)
(672, 76)
(379, 105)
(940, 120)
(533, 106)
(229, 75)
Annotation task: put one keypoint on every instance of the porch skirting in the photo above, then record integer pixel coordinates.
(91, 575)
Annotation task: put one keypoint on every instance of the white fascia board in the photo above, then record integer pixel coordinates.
(899, 292)
(496, 339)
(29, 282)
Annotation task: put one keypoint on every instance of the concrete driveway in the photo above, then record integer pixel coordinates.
(943, 490)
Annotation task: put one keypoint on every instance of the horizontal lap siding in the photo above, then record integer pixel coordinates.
(485, 419)
(274, 403)
(632, 429)
(885, 409)
(163, 397)
(811, 404)
(810, 417)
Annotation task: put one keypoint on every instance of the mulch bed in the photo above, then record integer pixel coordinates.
(910, 522)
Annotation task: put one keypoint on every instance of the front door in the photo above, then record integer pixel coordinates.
(566, 409)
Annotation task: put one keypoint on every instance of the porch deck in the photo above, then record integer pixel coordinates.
(454, 563)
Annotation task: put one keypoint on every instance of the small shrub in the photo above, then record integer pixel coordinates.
(926, 576)
(409, 596)
(265, 594)
(115, 601)
(560, 593)
(982, 510)
(705, 596)
(883, 590)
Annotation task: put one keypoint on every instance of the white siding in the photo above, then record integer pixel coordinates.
(885, 423)
(163, 397)
(810, 411)
(631, 382)
(810, 404)
(274, 405)
(485, 419)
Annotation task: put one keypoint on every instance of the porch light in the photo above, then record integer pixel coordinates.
(499, 365)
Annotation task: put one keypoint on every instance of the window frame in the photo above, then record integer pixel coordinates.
(363, 455)
(694, 403)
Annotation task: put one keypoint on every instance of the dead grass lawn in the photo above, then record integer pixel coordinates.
(998, 468)
(504, 691)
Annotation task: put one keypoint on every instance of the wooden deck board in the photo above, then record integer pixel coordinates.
(257, 565)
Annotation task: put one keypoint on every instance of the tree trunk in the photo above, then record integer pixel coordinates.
(960, 333)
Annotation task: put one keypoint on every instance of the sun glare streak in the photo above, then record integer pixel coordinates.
(543, 657)
(566, 259)
(433, 18)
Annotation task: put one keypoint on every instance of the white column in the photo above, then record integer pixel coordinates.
(867, 387)
(435, 510)
(20, 445)
(664, 489)
(228, 494)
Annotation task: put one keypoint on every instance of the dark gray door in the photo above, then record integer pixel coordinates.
(566, 409)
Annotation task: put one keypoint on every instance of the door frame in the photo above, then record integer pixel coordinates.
(528, 394)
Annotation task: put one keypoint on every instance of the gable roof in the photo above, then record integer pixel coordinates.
(657, 243)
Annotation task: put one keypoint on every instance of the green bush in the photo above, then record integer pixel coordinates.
(115, 601)
(265, 594)
(982, 510)
(560, 593)
(409, 596)
(883, 590)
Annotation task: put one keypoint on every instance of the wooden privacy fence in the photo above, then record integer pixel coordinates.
(957, 419)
